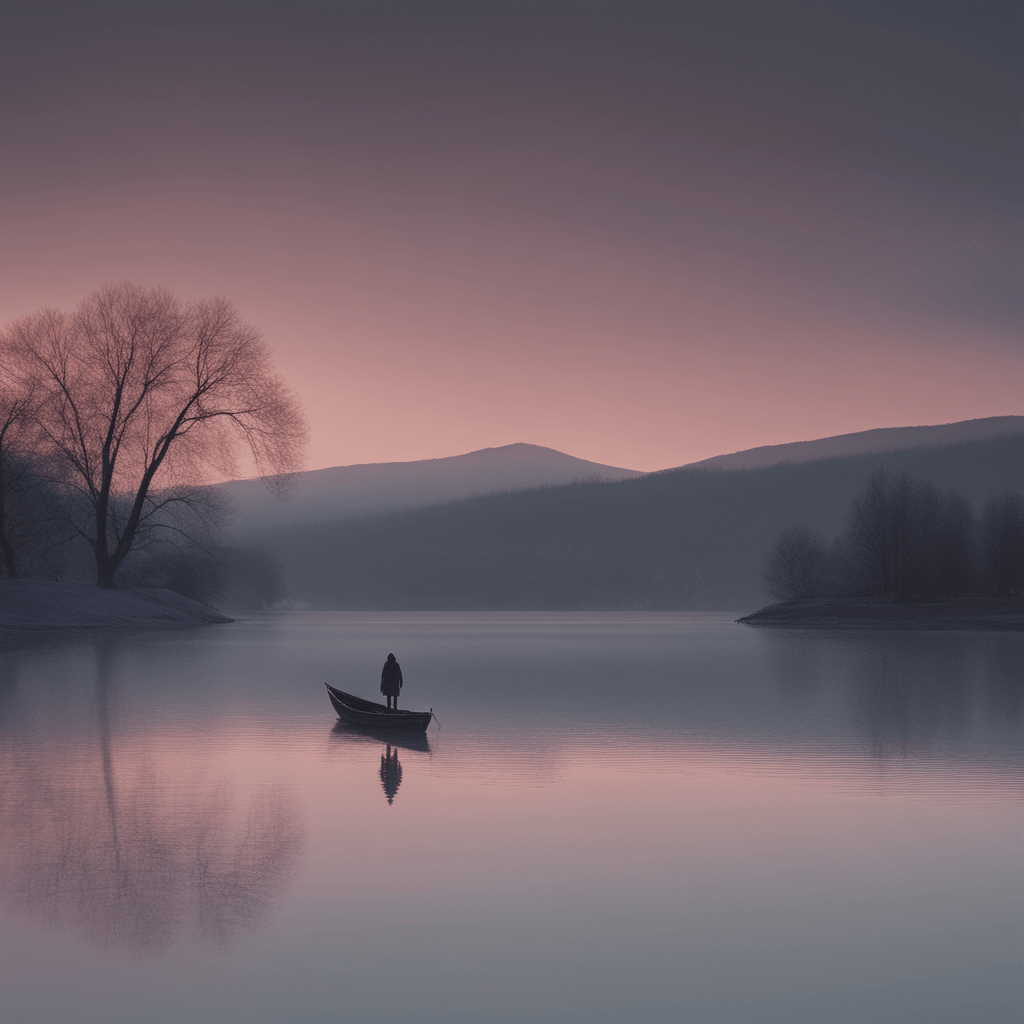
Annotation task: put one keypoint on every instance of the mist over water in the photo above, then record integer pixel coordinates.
(621, 816)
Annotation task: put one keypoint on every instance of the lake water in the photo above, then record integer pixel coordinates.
(621, 817)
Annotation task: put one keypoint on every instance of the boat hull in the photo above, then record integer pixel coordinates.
(368, 713)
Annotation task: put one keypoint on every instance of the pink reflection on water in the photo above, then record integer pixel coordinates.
(132, 851)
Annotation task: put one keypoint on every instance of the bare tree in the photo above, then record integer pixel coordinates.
(795, 566)
(15, 417)
(29, 529)
(940, 555)
(1002, 543)
(880, 530)
(141, 397)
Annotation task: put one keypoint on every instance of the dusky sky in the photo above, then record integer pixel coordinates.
(641, 233)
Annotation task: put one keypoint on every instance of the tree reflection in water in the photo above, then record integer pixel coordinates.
(127, 858)
(906, 690)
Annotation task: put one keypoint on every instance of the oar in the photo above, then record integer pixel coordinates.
(434, 717)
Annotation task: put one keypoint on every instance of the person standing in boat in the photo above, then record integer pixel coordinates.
(391, 682)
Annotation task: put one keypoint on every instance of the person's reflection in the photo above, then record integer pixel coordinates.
(390, 773)
(130, 856)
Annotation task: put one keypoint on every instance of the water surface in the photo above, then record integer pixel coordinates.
(642, 817)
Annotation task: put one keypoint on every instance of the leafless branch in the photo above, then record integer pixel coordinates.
(141, 397)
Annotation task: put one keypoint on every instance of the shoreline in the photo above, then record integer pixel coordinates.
(887, 613)
(42, 607)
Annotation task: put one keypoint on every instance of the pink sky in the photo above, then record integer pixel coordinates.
(621, 244)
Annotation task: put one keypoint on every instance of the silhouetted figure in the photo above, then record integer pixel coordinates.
(391, 682)
(390, 773)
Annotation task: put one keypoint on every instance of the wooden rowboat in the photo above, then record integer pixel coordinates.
(366, 712)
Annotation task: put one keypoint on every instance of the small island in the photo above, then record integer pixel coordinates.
(911, 557)
(890, 613)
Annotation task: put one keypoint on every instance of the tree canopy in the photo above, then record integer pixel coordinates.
(137, 399)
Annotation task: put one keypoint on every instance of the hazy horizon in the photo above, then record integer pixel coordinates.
(712, 460)
(646, 234)
(692, 539)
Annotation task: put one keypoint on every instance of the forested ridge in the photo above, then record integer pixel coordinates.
(679, 539)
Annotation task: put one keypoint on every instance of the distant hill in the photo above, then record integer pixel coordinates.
(866, 442)
(349, 491)
(685, 538)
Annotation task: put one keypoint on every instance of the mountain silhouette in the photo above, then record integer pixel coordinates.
(369, 489)
(866, 442)
(344, 492)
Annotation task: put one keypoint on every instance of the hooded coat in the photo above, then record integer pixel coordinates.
(391, 677)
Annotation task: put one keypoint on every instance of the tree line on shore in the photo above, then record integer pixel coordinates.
(113, 419)
(906, 538)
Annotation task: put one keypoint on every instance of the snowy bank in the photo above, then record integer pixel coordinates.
(42, 605)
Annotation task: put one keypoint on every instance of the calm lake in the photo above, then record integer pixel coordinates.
(621, 817)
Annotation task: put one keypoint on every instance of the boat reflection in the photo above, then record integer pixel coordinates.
(346, 732)
(390, 773)
(130, 854)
